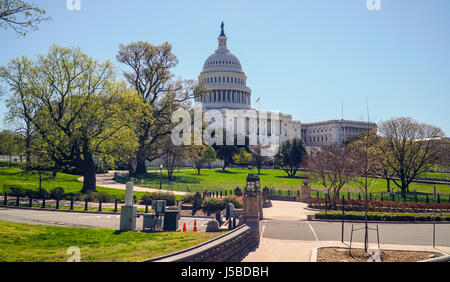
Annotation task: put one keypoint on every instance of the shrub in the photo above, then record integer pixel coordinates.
(382, 206)
(149, 197)
(213, 204)
(382, 216)
(15, 191)
(188, 198)
(39, 194)
(234, 200)
(105, 197)
(57, 193)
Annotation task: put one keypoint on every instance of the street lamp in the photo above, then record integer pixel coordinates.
(252, 182)
(160, 176)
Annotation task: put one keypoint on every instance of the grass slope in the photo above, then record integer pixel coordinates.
(217, 179)
(39, 243)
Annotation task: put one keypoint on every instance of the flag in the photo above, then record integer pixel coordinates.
(259, 99)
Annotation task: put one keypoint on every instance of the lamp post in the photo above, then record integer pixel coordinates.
(160, 176)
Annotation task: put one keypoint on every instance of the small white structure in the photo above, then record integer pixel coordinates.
(128, 212)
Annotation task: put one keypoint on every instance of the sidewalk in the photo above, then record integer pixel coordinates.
(272, 250)
(107, 180)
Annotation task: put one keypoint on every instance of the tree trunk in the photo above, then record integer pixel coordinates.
(88, 166)
(141, 168)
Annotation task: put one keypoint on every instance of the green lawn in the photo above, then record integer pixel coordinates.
(216, 180)
(38, 243)
(30, 180)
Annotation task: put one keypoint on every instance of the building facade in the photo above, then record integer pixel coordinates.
(229, 104)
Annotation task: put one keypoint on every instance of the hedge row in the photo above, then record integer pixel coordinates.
(58, 193)
(380, 206)
(382, 216)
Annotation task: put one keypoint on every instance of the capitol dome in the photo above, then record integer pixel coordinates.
(222, 74)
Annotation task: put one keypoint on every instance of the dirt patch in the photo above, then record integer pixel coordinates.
(359, 255)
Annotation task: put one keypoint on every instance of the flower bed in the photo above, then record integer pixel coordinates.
(381, 206)
(382, 216)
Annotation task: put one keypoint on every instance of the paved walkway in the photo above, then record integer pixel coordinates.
(107, 180)
(287, 236)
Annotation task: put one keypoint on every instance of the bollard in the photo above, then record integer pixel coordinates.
(57, 204)
(71, 203)
(17, 201)
(99, 205)
(439, 199)
(43, 202)
(146, 206)
(115, 205)
(30, 204)
(298, 193)
(86, 204)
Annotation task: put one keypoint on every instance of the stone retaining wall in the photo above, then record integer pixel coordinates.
(231, 247)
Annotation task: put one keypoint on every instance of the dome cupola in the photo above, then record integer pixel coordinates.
(222, 74)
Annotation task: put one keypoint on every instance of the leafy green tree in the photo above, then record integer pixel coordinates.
(20, 16)
(79, 108)
(22, 111)
(210, 155)
(243, 157)
(290, 155)
(10, 144)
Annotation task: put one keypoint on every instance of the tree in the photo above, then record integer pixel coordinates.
(333, 166)
(257, 156)
(290, 155)
(210, 155)
(20, 16)
(242, 157)
(79, 107)
(197, 155)
(367, 161)
(171, 155)
(150, 75)
(10, 144)
(227, 152)
(21, 109)
(409, 149)
(41, 162)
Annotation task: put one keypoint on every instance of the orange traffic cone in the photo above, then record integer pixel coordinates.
(195, 225)
(184, 227)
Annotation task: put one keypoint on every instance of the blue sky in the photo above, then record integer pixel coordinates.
(302, 57)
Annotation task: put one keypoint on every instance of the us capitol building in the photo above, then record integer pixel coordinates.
(223, 75)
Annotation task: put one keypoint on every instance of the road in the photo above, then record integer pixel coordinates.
(390, 233)
(74, 219)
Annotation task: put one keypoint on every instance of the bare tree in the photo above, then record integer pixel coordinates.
(408, 148)
(20, 16)
(333, 167)
(171, 155)
(366, 162)
(150, 75)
